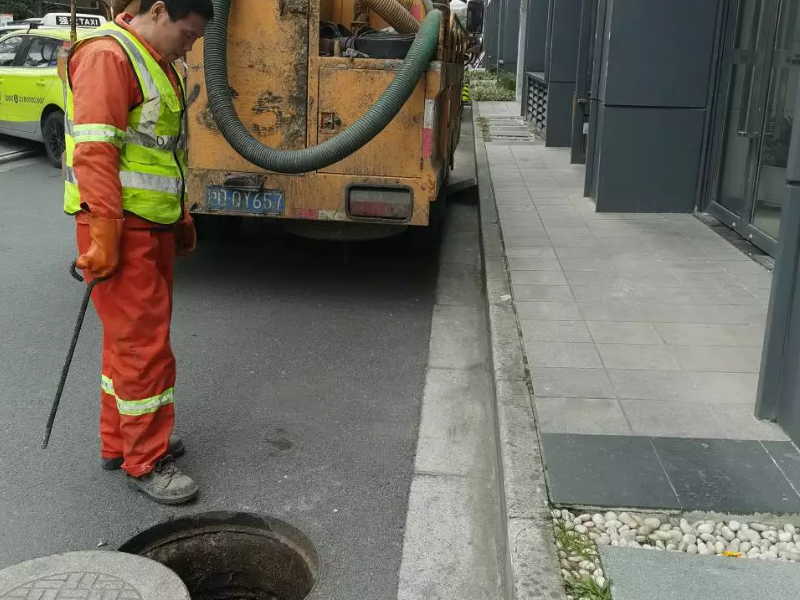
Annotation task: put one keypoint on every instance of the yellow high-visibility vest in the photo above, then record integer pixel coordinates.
(152, 159)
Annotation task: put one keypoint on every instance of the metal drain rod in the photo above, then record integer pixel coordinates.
(65, 371)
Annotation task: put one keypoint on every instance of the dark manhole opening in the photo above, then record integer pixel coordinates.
(233, 556)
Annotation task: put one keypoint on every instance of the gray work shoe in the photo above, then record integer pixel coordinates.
(165, 483)
(176, 448)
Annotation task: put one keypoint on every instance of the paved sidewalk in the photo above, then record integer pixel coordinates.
(643, 338)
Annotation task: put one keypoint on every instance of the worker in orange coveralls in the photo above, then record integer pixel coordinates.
(124, 166)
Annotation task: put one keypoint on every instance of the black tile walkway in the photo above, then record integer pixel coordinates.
(737, 476)
(606, 470)
(732, 476)
(788, 459)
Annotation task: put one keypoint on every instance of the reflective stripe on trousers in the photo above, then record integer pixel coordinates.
(135, 408)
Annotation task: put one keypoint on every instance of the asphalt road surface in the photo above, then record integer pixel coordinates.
(300, 373)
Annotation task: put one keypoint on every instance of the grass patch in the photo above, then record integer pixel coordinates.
(489, 86)
(587, 589)
(573, 543)
(576, 544)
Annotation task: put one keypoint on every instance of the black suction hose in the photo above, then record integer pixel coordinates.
(378, 116)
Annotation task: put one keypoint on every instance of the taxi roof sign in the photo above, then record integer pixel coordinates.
(65, 20)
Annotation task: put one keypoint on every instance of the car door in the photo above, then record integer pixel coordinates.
(10, 55)
(33, 81)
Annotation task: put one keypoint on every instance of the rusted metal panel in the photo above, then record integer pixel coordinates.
(396, 151)
(268, 75)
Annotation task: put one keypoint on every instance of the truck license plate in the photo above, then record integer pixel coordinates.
(229, 199)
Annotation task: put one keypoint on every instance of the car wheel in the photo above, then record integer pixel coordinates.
(53, 136)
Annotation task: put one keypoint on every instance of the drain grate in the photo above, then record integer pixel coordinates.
(233, 556)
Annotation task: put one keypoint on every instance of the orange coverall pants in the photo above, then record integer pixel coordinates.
(138, 368)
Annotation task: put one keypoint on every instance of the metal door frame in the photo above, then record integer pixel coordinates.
(761, 83)
(598, 57)
(583, 82)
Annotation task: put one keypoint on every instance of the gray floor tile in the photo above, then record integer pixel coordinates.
(733, 476)
(585, 470)
(620, 279)
(527, 240)
(724, 314)
(615, 332)
(581, 251)
(601, 416)
(548, 311)
(640, 575)
(525, 263)
(572, 383)
(683, 386)
(556, 200)
(564, 354)
(689, 419)
(589, 263)
(529, 252)
(697, 334)
(743, 424)
(538, 277)
(787, 457)
(564, 240)
(523, 291)
(741, 359)
(613, 310)
(637, 356)
(520, 221)
(554, 331)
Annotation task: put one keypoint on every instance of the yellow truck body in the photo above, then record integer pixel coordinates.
(290, 97)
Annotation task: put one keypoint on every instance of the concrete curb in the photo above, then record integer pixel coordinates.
(531, 559)
(16, 155)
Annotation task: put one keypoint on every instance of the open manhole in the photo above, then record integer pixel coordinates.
(232, 556)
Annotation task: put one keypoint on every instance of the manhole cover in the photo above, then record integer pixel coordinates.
(91, 575)
(233, 556)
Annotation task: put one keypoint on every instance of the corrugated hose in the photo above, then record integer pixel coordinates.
(355, 136)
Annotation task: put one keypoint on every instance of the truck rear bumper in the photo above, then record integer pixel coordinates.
(318, 196)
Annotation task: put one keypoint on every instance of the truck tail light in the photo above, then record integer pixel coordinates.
(380, 203)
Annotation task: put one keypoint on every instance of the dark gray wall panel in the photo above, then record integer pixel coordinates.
(491, 33)
(536, 35)
(509, 42)
(648, 159)
(563, 41)
(659, 53)
(559, 114)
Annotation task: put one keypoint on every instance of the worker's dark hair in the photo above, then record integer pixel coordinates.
(178, 9)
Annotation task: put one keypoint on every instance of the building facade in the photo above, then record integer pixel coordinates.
(674, 106)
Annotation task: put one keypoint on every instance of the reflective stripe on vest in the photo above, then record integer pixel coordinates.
(139, 181)
(152, 160)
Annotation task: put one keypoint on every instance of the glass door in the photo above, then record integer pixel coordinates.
(760, 76)
(777, 132)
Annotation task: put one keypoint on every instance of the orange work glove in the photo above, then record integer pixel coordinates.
(185, 235)
(102, 257)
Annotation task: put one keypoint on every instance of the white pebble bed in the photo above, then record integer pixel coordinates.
(673, 534)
